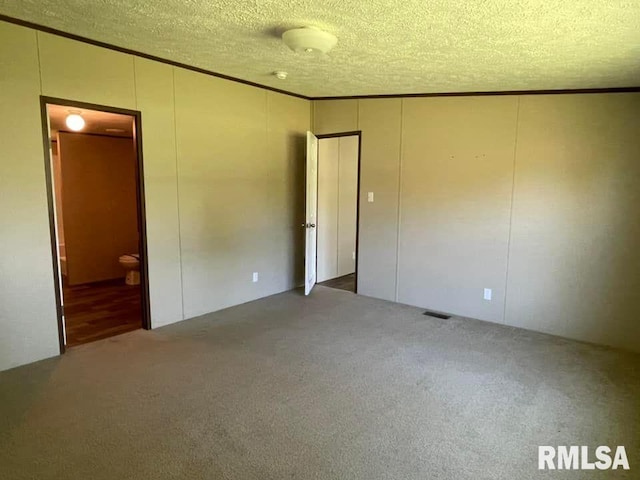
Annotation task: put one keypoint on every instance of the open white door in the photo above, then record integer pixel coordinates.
(311, 207)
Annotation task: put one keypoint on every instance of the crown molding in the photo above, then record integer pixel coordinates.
(486, 94)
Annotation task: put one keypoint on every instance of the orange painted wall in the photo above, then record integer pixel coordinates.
(99, 204)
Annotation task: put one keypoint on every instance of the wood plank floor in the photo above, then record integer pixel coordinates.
(346, 282)
(100, 310)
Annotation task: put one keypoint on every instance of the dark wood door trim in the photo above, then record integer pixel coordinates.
(46, 144)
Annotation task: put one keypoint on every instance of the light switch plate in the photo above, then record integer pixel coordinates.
(370, 197)
(255, 277)
(487, 294)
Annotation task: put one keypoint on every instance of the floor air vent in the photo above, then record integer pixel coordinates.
(429, 313)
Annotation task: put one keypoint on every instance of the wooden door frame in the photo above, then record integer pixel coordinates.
(353, 133)
(141, 212)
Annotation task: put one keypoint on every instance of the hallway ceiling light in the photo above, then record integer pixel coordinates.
(75, 122)
(309, 40)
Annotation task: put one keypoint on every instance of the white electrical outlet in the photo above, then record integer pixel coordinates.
(487, 294)
(255, 277)
(370, 197)
(353, 255)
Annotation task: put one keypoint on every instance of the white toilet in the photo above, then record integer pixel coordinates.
(131, 263)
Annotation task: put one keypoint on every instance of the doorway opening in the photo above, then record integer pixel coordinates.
(95, 187)
(338, 210)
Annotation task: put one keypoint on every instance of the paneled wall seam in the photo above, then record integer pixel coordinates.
(359, 209)
(175, 133)
(400, 152)
(513, 189)
(39, 61)
(135, 82)
(338, 210)
(357, 199)
(313, 118)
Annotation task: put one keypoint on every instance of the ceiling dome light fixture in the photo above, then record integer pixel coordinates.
(75, 122)
(280, 75)
(309, 40)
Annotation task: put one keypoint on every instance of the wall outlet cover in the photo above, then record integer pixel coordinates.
(255, 277)
(487, 294)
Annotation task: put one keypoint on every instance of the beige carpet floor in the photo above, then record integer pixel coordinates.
(334, 386)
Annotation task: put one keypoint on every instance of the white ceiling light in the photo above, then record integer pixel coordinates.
(280, 74)
(75, 122)
(309, 40)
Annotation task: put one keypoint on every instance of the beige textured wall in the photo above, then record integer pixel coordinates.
(335, 116)
(28, 326)
(154, 95)
(237, 204)
(380, 122)
(574, 266)
(82, 72)
(534, 197)
(288, 120)
(245, 135)
(99, 199)
(456, 182)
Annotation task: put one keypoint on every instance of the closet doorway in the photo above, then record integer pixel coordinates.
(338, 210)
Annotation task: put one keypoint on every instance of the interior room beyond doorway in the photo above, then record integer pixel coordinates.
(94, 174)
(338, 158)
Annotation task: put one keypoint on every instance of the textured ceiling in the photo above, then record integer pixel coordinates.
(384, 46)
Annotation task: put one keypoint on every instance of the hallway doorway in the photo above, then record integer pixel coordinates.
(96, 207)
(338, 210)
